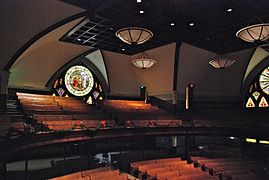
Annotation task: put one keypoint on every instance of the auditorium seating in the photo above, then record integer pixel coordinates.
(237, 120)
(215, 168)
(227, 168)
(7, 126)
(103, 173)
(61, 113)
(138, 114)
(43, 104)
(168, 168)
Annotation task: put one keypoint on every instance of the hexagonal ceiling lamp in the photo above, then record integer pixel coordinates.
(256, 33)
(144, 62)
(134, 35)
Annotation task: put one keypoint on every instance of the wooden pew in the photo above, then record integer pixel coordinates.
(101, 175)
(90, 171)
(5, 124)
(152, 172)
(119, 177)
(68, 176)
(168, 175)
(244, 177)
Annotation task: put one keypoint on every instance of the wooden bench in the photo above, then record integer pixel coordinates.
(119, 177)
(168, 175)
(90, 171)
(68, 176)
(101, 175)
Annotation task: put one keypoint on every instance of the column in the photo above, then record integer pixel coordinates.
(176, 62)
(4, 77)
(3, 169)
(174, 144)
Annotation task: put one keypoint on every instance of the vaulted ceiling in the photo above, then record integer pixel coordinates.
(208, 24)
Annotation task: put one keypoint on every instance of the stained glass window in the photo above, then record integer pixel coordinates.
(60, 91)
(95, 94)
(55, 83)
(78, 81)
(258, 93)
(89, 101)
(264, 80)
(263, 102)
(250, 103)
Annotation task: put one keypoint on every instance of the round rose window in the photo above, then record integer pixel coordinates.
(79, 80)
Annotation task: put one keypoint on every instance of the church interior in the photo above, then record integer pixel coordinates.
(134, 90)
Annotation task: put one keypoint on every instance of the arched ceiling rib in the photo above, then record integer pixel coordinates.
(22, 20)
(39, 62)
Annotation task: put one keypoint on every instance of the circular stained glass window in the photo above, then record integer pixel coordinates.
(79, 80)
(264, 80)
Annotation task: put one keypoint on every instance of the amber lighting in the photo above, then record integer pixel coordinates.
(250, 140)
(254, 33)
(221, 62)
(134, 35)
(144, 62)
(136, 104)
(263, 142)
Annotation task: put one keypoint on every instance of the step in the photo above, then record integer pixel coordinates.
(17, 115)
(12, 107)
(14, 113)
(17, 120)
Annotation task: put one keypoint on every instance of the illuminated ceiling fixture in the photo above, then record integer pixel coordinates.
(144, 62)
(256, 33)
(134, 35)
(221, 62)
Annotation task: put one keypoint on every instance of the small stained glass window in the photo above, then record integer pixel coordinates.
(95, 94)
(256, 95)
(55, 84)
(263, 102)
(60, 91)
(89, 101)
(250, 103)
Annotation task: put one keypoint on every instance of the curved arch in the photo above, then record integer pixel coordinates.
(252, 75)
(38, 36)
(80, 60)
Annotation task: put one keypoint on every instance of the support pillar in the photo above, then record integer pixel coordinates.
(176, 62)
(189, 104)
(64, 152)
(4, 77)
(3, 170)
(186, 145)
(174, 144)
(243, 147)
(26, 168)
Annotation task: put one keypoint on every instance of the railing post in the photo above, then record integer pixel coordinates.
(26, 167)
